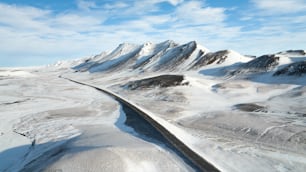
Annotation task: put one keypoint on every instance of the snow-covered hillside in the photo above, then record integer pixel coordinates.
(169, 56)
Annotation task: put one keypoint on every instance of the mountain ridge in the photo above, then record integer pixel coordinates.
(173, 57)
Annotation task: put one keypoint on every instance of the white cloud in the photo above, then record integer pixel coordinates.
(33, 20)
(86, 5)
(175, 2)
(29, 31)
(116, 5)
(21, 17)
(138, 7)
(172, 2)
(62, 34)
(280, 6)
(195, 12)
(75, 22)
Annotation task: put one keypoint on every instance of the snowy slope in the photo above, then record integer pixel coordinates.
(166, 55)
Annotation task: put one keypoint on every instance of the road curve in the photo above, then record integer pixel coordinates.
(195, 158)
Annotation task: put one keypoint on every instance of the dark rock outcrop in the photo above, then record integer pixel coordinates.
(209, 58)
(176, 56)
(294, 52)
(158, 81)
(297, 68)
(249, 107)
(261, 64)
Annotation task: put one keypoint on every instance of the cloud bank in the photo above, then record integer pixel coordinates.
(38, 35)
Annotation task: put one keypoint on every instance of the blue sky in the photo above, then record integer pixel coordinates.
(36, 32)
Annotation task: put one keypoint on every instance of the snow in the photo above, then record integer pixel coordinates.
(227, 141)
(235, 57)
(187, 64)
(203, 116)
(50, 123)
(228, 153)
(15, 73)
(77, 123)
(175, 54)
(227, 150)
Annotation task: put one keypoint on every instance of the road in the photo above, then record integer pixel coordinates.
(163, 135)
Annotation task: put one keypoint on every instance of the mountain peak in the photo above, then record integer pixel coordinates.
(293, 53)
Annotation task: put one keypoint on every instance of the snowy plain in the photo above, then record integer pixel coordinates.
(50, 124)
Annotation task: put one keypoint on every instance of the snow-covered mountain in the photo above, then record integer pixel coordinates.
(169, 56)
(165, 56)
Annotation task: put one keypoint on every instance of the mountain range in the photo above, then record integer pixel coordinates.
(169, 56)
